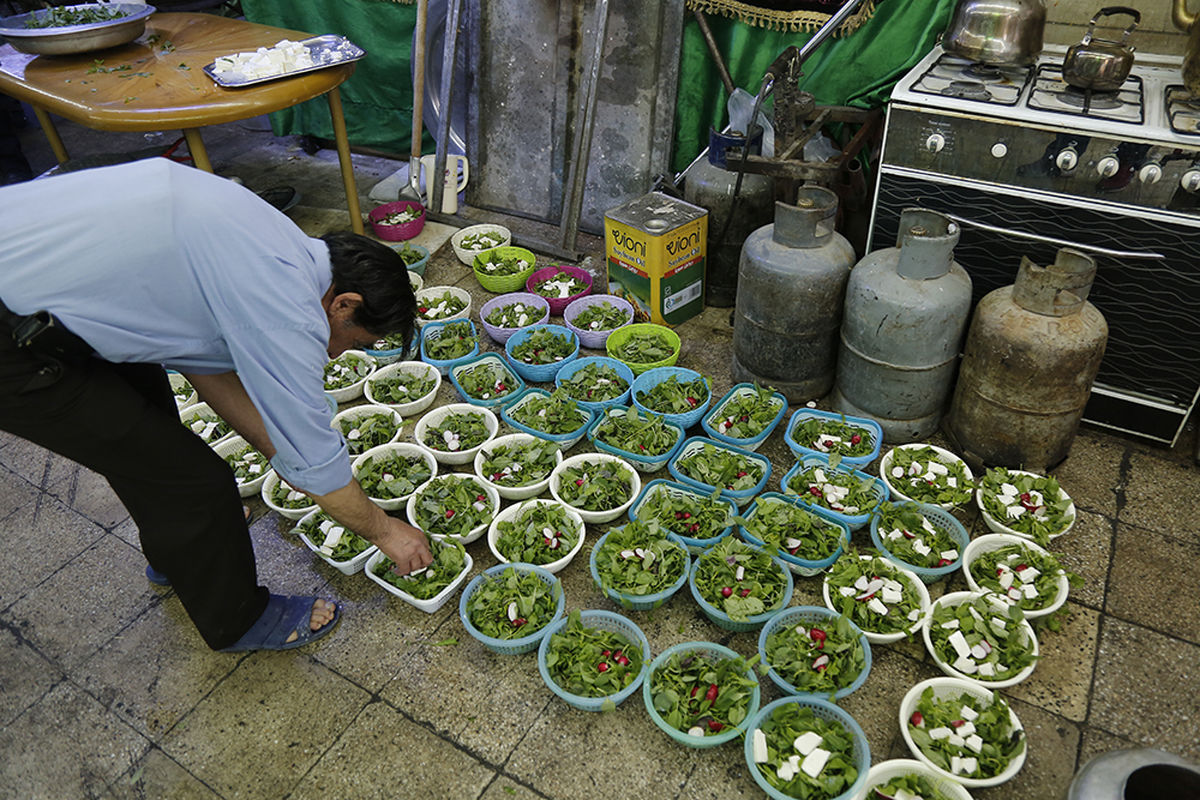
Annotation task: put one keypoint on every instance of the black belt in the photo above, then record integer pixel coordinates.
(43, 334)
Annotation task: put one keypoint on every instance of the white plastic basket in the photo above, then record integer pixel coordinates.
(412, 367)
(430, 605)
(911, 580)
(884, 771)
(177, 381)
(396, 448)
(995, 541)
(355, 413)
(595, 517)
(466, 256)
(511, 513)
(513, 492)
(944, 456)
(268, 487)
(435, 418)
(996, 526)
(354, 390)
(233, 445)
(430, 293)
(492, 497)
(957, 598)
(191, 414)
(347, 567)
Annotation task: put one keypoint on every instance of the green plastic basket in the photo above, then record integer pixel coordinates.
(622, 335)
(504, 283)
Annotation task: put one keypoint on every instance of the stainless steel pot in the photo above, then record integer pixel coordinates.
(1101, 65)
(1006, 33)
(1191, 60)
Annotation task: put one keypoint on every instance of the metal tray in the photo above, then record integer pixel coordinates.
(327, 51)
(69, 39)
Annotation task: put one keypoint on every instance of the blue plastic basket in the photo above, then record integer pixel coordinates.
(852, 521)
(642, 463)
(940, 517)
(810, 616)
(564, 440)
(652, 377)
(710, 420)
(432, 331)
(861, 422)
(861, 751)
(695, 546)
(683, 737)
(539, 373)
(723, 620)
(637, 602)
(510, 647)
(621, 369)
(739, 496)
(800, 566)
(385, 357)
(514, 383)
(604, 620)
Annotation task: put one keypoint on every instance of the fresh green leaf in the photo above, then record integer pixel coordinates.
(555, 413)
(673, 396)
(595, 383)
(540, 533)
(346, 370)
(603, 316)
(452, 505)
(757, 587)
(543, 346)
(639, 559)
(643, 435)
(597, 485)
(450, 341)
(591, 662)
(512, 604)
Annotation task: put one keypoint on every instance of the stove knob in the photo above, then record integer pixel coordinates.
(1108, 166)
(1190, 181)
(1066, 159)
(1150, 173)
(935, 143)
(999, 150)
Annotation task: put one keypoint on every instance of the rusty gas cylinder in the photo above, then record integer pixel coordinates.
(1031, 356)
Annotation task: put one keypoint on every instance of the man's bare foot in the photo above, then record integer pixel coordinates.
(322, 615)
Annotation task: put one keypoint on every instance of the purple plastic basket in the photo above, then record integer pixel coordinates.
(589, 338)
(559, 304)
(500, 335)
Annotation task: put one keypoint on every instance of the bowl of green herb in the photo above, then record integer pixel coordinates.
(509, 607)
(593, 317)
(598, 486)
(505, 315)
(1020, 503)
(406, 387)
(680, 394)
(978, 637)
(1022, 572)
(474, 239)
(923, 538)
(739, 586)
(886, 601)
(561, 285)
(805, 748)
(745, 416)
(285, 500)
(846, 494)
(539, 351)
(455, 432)
(486, 381)
(593, 659)
(504, 269)
(640, 565)
(250, 467)
(453, 506)
(814, 651)
(926, 473)
(65, 30)
(367, 426)
(643, 346)
(333, 543)
(442, 304)
(707, 464)
(554, 416)
(346, 375)
(416, 258)
(854, 440)
(807, 541)
(643, 439)
(596, 382)
(427, 588)
(445, 345)
(701, 694)
(541, 532)
(518, 465)
(397, 221)
(390, 473)
(699, 519)
(391, 348)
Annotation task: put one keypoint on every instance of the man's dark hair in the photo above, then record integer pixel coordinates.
(379, 274)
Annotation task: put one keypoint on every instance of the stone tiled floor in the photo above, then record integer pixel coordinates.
(107, 691)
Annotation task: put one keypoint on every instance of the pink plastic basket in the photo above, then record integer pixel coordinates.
(559, 304)
(401, 232)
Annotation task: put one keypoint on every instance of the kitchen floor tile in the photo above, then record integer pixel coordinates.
(1091, 473)
(25, 675)
(1086, 550)
(1153, 495)
(155, 775)
(1062, 679)
(1154, 581)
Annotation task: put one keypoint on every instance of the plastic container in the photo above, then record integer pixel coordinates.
(623, 334)
(177, 381)
(435, 418)
(905, 576)
(944, 456)
(996, 526)
(602, 620)
(511, 513)
(559, 304)
(540, 373)
(738, 496)
(723, 620)
(513, 492)
(417, 268)
(539, 313)
(885, 771)
(402, 231)
(232, 445)
(695, 546)
(395, 448)
(431, 604)
(652, 377)
(272, 481)
(524, 644)
(801, 566)
(713, 650)
(944, 688)
(432, 332)
(595, 339)
(861, 751)
(355, 413)
(428, 294)
(710, 420)
(191, 413)
(595, 517)
(852, 521)
(412, 367)
(503, 283)
(348, 567)
(940, 518)
(354, 390)
(640, 462)
(952, 599)
(467, 257)
(513, 384)
(394, 354)
(810, 616)
(564, 440)
(995, 541)
(493, 500)
(638, 602)
(802, 414)
(621, 369)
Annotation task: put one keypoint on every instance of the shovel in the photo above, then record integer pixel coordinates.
(413, 190)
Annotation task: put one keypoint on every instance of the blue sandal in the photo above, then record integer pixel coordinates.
(283, 616)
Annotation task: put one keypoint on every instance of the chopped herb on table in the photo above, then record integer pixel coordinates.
(686, 514)
(452, 505)
(247, 463)
(921, 474)
(543, 346)
(982, 637)
(402, 387)
(701, 693)
(561, 285)
(485, 240)
(363, 433)
(516, 315)
(591, 662)
(512, 604)
(740, 580)
(603, 316)
(441, 307)
(595, 383)
(873, 594)
(331, 538)
(450, 341)
(284, 496)
(487, 380)
(520, 463)
(449, 560)
(1021, 575)
(73, 15)
(780, 525)
(208, 426)
(673, 396)
(835, 489)
(639, 559)
(1030, 504)
(556, 414)
(345, 370)
(746, 415)
(496, 264)
(817, 658)
(388, 476)
(642, 435)
(721, 468)
(834, 436)
(914, 538)
(539, 534)
(965, 735)
(644, 348)
(598, 485)
(457, 432)
(804, 755)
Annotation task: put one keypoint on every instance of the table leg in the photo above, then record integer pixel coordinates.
(343, 151)
(196, 148)
(56, 142)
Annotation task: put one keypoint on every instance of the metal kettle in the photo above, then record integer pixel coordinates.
(1100, 64)
(1191, 59)
(1005, 33)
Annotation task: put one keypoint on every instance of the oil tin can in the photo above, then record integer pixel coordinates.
(656, 248)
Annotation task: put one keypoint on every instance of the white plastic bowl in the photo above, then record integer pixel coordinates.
(884, 771)
(354, 390)
(355, 413)
(268, 486)
(430, 605)
(467, 257)
(400, 448)
(510, 514)
(952, 687)
(995, 541)
(414, 368)
(996, 526)
(178, 381)
(416, 281)
(231, 446)
(958, 598)
(513, 492)
(906, 576)
(191, 413)
(474, 533)
(944, 455)
(435, 418)
(595, 517)
(429, 293)
(347, 567)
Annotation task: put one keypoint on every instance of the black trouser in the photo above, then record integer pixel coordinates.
(120, 420)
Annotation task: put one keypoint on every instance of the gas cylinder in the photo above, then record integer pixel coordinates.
(1031, 356)
(710, 184)
(905, 314)
(791, 281)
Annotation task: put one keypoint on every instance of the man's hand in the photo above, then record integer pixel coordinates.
(406, 546)
(398, 540)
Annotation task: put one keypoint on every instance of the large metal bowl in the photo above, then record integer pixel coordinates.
(69, 39)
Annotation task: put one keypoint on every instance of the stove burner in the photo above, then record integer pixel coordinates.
(1087, 99)
(968, 90)
(983, 72)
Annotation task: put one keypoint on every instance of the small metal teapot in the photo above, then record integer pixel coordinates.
(1101, 65)
(1005, 33)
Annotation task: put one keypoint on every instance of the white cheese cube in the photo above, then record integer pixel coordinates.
(875, 605)
(939, 733)
(819, 475)
(1008, 489)
(966, 729)
(975, 742)
(814, 762)
(949, 555)
(950, 625)
(969, 765)
(952, 482)
(1015, 511)
(920, 547)
(968, 713)
(1028, 575)
(1030, 591)
(891, 595)
(959, 643)
(759, 743)
(332, 537)
(1006, 579)
(806, 742)
(965, 665)
(915, 614)
(986, 670)
(955, 764)
(846, 591)
(938, 468)
(956, 740)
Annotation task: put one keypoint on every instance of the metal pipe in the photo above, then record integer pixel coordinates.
(437, 188)
(826, 30)
(707, 33)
